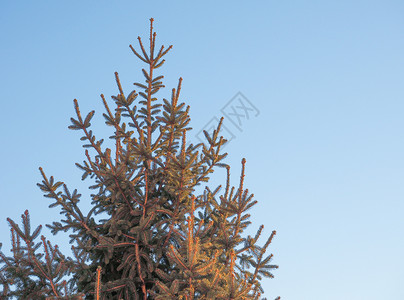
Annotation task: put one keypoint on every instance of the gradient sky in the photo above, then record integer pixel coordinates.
(324, 154)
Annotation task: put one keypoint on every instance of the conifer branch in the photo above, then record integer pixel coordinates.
(98, 283)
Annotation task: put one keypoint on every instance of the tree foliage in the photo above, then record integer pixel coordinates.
(160, 239)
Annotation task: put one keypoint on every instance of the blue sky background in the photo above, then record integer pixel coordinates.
(324, 155)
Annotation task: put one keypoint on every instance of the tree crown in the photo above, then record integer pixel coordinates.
(160, 239)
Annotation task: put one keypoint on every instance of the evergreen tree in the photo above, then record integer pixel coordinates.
(160, 239)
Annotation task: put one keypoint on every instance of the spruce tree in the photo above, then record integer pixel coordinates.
(160, 239)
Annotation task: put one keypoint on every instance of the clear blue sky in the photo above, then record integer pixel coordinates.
(324, 155)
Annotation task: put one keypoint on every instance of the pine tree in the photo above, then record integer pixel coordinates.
(160, 239)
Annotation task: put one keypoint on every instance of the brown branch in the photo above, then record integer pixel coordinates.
(98, 283)
(140, 271)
